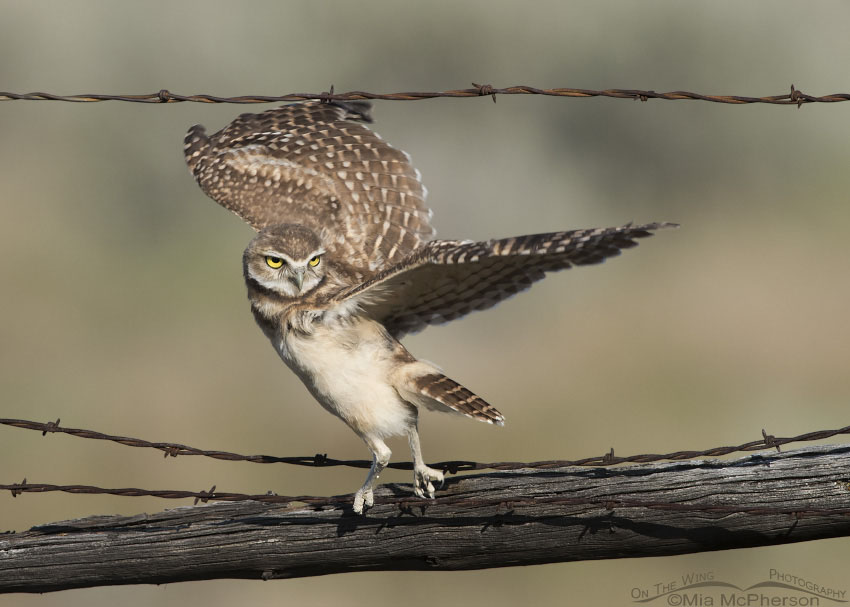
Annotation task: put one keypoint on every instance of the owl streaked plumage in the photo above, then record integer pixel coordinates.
(344, 265)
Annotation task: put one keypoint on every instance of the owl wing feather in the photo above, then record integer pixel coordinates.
(445, 280)
(315, 164)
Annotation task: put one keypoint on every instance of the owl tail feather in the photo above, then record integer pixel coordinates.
(449, 394)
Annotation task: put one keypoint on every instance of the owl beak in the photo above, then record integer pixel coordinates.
(298, 278)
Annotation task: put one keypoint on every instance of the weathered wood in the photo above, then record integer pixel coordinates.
(263, 541)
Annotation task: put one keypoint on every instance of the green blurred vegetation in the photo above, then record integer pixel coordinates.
(124, 309)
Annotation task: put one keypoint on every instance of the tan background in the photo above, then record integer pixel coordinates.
(122, 300)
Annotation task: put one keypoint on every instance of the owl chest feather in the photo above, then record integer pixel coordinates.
(348, 365)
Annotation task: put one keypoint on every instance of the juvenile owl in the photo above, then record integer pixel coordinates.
(344, 266)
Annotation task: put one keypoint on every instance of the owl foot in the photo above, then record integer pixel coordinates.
(363, 497)
(422, 477)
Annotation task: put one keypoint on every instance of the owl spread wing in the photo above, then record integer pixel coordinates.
(445, 280)
(316, 165)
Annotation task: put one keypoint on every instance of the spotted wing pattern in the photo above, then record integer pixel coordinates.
(445, 280)
(317, 165)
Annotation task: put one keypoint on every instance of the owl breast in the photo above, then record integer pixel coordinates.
(347, 366)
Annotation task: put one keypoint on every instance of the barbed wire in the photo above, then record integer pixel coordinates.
(767, 441)
(794, 97)
(406, 504)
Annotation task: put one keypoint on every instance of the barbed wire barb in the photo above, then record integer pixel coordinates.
(794, 97)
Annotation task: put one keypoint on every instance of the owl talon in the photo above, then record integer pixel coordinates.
(422, 478)
(363, 498)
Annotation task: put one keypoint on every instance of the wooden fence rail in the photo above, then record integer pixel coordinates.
(498, 519)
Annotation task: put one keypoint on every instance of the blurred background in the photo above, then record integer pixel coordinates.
(123, 306)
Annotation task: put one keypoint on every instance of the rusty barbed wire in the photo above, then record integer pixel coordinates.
(794, 97)
(407, 504)
(767, 441)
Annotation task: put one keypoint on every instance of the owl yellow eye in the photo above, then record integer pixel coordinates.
(274, 262)
(315, 261)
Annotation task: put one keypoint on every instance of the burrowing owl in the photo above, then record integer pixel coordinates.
(344, 266)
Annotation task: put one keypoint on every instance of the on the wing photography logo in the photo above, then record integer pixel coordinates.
(781, 589)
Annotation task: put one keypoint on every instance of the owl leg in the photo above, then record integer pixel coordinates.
(422, 474)
(380, 458)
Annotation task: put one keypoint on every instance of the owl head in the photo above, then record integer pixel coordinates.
(286, 259)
